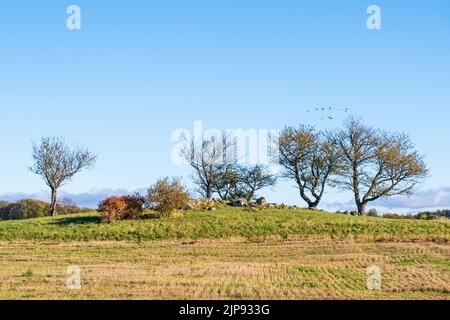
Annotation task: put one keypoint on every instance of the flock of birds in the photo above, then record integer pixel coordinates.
(327, 113)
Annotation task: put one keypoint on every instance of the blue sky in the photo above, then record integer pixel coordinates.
(137, 70)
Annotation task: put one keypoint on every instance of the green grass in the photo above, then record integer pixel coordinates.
(232, 253)
(224, 269)
(225, 223)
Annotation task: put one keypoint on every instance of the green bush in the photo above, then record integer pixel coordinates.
(372, 213)
(25, 209)
(167, 196)
(396, 216)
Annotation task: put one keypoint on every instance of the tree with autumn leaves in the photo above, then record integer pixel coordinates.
(370, 163)
(375, 164)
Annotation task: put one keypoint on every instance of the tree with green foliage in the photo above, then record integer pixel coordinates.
(309, 158)
(243, 182)
(252, 179)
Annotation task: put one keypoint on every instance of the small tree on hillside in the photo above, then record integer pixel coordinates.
(376, 164)
(209, 158)
(226, 182)
(308, 158)
(254, 178)
(57, 162)
(237, 182)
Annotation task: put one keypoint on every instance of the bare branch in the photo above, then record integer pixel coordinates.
(56, 162)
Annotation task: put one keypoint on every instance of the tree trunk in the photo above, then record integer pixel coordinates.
(305, 198)
(209, 193)
(361, 208)
(250, 196)
(312, 205)
(53, 211)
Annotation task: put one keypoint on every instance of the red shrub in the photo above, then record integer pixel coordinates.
(121, 208)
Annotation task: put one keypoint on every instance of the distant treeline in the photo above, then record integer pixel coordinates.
(29, 209)
(424, 215)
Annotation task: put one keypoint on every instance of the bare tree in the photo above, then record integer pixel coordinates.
(309, 158)
(67, 202)
(57, 162)
(377, 164)
(209, 158)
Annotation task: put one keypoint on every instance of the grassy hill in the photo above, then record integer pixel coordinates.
(225, 223)
(231, 253)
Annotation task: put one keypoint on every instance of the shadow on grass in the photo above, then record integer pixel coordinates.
(68, 220)
(150, 216)
(77, 220)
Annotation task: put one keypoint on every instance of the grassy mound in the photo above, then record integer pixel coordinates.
(225, 223)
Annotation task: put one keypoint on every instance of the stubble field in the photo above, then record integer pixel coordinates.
(226, 269)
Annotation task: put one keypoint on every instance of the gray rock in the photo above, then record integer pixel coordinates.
(240, 203)
(261, 202)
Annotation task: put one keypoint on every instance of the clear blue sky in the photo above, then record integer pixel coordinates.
(137, 70)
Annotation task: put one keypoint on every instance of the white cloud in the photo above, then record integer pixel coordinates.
(421, 200)
(87, 199)
(433, 198)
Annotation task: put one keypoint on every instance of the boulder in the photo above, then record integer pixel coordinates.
(261, 202)
(240, 203)
(200, 204)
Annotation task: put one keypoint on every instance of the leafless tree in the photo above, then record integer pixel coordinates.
(377, 164)
(309, 158)
(67, 202)
(209, 158)
(57, 162)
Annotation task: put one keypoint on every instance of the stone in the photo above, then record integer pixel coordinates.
(261, 202)
(199, 204)
(240, 203)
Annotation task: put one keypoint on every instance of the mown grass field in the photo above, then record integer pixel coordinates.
(296, 269)
(228, 254)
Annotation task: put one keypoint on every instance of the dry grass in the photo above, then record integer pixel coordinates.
(225, 269)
